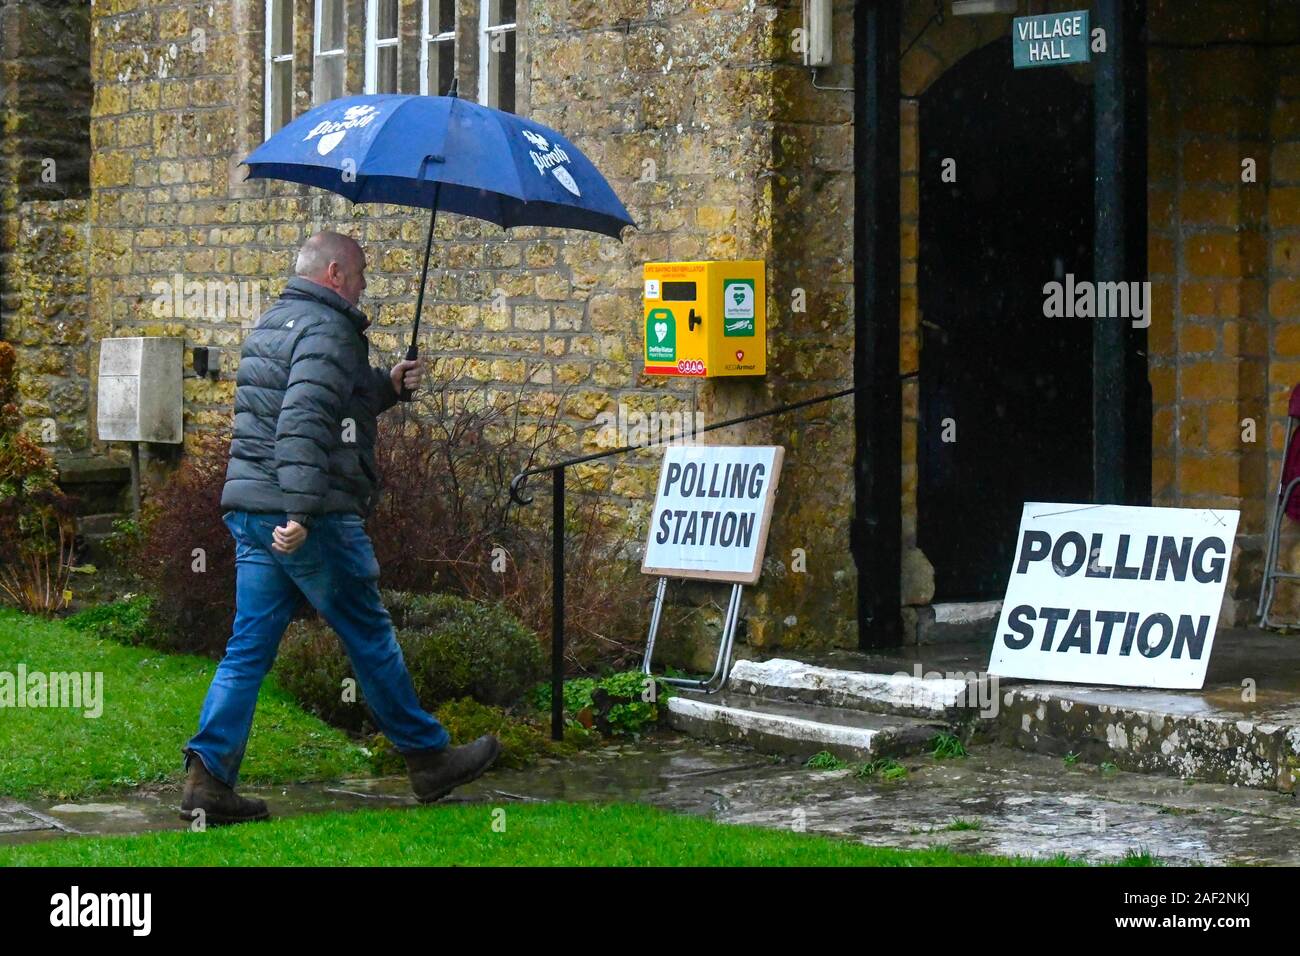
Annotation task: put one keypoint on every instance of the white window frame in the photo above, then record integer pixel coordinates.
(486, 31)
(428, 39)
(269, 61)
(374, 44)
(318, 54)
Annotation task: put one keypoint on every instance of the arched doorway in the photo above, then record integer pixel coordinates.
(1013, 388)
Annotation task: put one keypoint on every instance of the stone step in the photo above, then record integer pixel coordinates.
(1211, 737)
(778, 679)
(98, 484)
(957, 622)
(798, 729)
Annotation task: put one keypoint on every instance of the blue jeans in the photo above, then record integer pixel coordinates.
(336, 570)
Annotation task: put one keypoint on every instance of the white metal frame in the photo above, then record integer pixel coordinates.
(721, 667)
(374, 44)
(318, 54)
(427, 40)
(270, 60)
(486, 31)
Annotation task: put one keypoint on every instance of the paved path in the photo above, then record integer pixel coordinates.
(1018, 803)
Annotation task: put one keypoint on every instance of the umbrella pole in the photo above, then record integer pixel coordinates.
(413, 351)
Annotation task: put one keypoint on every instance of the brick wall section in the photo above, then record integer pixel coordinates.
(1284, 269)
(45, 94)
(50, 325)
(1223, 359)
(808, 182)
(168, 198)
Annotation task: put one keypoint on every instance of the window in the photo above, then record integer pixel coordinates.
(496, 62)
(438, 47)
(381, 46)
(330, 51)
(278, 106)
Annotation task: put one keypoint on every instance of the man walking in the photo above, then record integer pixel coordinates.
(299, 484)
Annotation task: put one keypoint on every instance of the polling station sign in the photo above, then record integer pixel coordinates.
(1112, 594)
(712, 511)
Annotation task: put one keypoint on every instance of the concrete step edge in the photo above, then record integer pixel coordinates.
(901, 694)
(745, 720)
(1222, 748)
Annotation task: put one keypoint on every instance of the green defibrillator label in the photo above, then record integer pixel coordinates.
(660, 336)
(738, 307)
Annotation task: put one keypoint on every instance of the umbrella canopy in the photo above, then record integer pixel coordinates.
(442, 152)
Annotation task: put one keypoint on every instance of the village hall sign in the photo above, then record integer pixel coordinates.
(1053, 39)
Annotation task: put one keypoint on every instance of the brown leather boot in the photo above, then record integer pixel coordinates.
(436, 773)
(219, 803)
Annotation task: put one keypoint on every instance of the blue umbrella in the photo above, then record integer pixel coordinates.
(442, 152)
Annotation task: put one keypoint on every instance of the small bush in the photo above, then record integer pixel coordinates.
(37, 528)
(127, 621)
(123, 545)
(460, 648)
(445, 521)
(615, 705)
(453, 648)
(193, 609)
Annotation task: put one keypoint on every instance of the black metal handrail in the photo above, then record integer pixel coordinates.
(557, 528)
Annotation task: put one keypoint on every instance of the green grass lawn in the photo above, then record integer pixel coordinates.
(535, 834)
(151, 708)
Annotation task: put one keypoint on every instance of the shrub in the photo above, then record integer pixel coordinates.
(445, 510)
(453, 648)
(127, 621)
(615, 705)
(444, 467)
(456, 647)
(37, 529)
(193, 610)
(312, 666)
(123, 545)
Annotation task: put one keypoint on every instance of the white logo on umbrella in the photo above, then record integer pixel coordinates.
(331, 133)
(550, 157)
(566, 180)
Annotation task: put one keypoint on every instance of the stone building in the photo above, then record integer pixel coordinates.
(723, 145)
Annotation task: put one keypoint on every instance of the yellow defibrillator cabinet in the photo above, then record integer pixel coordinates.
(705, 318)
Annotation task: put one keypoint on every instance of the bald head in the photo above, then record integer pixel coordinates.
(334, 261)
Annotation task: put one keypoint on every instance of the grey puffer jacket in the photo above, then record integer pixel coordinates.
(306, 403)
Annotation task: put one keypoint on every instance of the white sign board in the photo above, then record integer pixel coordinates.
(1111, 594)
(712, 511)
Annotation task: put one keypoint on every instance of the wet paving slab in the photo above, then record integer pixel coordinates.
(996, 800)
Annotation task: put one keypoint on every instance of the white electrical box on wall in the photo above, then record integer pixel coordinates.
(817, 32)
(140, 394)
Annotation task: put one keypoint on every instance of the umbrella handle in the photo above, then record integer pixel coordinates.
(412, 353)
